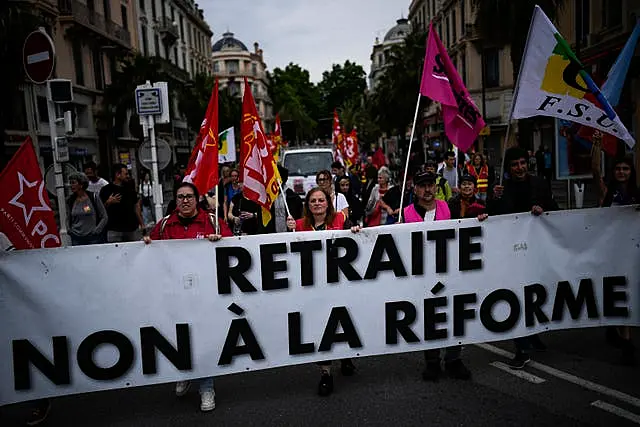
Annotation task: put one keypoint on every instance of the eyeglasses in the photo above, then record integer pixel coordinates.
(185, 197)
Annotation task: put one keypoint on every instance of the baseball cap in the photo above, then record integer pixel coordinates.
(468, 178)
(424, 178)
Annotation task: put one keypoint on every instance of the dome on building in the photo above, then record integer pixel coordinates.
(228, 42)
(400, 31)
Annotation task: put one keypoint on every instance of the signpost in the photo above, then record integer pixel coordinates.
(152, 105)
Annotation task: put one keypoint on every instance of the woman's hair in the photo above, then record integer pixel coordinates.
(384, 171)
(612, 185)
(81, 179)
(349, 193)
(308, 216)
(191, 186)
(323, 172)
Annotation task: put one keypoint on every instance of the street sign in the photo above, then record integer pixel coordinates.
(38, 56)
(164, 154)
(61, 149)
(148, 101)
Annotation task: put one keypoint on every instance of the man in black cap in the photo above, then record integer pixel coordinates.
(426, 207)
(521, 192)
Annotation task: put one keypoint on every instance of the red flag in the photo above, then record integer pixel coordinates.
(337, 138)
(259, 171)
(351, 149)
(26, 217)
(202, 170)
(277, 132)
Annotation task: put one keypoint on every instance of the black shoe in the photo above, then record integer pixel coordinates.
(325, 388)
(456, 369)
(39, 413)
(537, 344)
(431, 372)
(347, 367)
(519, 361)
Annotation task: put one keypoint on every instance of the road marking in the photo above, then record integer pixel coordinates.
(631, 400)
(616, 411)
(518, 373)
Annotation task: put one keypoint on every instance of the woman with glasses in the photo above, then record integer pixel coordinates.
(325, 182)
(189, 221)
(319, 215)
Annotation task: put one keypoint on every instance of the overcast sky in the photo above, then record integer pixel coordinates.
(312, 33)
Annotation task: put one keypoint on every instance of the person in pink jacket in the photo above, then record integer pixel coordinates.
(426, 207)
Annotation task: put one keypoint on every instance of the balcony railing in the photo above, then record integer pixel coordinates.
(168, 29)
(91, 19)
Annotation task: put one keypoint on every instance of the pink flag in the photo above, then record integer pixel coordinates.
(442, 83)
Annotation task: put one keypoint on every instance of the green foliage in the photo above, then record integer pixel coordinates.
(343, 86)
(394, 99)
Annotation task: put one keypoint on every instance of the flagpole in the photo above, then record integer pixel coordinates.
(515, 93)
(285, 200)
(406, 166)
(217, 211)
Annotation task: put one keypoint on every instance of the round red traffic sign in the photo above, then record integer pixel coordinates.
(38, 56)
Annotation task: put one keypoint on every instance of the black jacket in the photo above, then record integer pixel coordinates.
(523, 196)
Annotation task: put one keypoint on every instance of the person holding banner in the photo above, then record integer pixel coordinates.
(521, 192)
(320, 215)
(188, 221)
(427, 208)
(621, 190)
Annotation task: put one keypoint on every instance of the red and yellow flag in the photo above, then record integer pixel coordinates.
(202, 170)
(337, 138)
(259, 171)
(350, 149)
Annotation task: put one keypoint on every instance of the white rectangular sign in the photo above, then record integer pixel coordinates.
(148, 101)
(104, 317)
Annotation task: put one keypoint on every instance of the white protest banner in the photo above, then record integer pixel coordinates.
(227, 146)
(104, 317)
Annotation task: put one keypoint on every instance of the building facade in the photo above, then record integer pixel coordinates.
(486, 70)
(88, 36)
(175, 32)
(232, 62)
(598, 30)
(382, 50)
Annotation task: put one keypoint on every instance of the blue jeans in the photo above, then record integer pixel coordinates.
(91, 239)
(206, 384)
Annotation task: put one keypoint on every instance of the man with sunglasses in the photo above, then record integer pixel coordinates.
(521, 192)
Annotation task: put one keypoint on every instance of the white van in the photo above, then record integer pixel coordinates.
(303, 165)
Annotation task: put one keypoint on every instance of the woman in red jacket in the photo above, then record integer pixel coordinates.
(188, 221)
(320, 215)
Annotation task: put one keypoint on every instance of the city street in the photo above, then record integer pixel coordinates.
(576, 382)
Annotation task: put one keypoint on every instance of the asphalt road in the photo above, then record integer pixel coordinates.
(578, 381)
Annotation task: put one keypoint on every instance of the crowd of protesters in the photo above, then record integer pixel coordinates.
(365, 195)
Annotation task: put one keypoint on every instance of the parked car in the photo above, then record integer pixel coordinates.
(303, 164)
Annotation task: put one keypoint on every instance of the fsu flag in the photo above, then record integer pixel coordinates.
(259, 171)
(351, 149)
(202, 170)
(26, 218)
(442, 83)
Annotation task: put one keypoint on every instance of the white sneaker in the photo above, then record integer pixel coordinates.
(182, 387)
(208, 401)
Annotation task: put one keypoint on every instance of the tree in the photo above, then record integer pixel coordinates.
(15, 25)
(296, 98)
(342, 85)
(394, 98)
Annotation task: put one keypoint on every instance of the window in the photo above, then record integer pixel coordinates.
(189, 34)
(125, 18)
(254, 69)
(462, 14)
(446, 30)
(216, 67)
(582, 21)
(145, 41)
(234, 88)
(82, 116)
(612, 13)
(463, 71)
(232, 66)
(18, 114)
(193, 70)
(107, 9)
(175, 55)
(156, 44)
(181, 28)
(184, 61)
(98, 72)
(78, 63)
(454, 27)
(154, 12)
(173, 14)
(492, 67)
(141, 5)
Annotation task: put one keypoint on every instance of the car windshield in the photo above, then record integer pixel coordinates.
(309, 163)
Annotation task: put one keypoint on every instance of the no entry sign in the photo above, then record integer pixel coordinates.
(38, 56)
